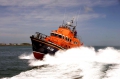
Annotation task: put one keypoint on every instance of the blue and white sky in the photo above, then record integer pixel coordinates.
(98, 21)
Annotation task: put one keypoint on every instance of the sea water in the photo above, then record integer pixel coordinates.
(98, 62)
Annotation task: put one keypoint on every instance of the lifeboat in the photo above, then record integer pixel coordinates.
(65, 37)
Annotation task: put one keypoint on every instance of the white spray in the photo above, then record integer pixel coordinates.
(75, 63)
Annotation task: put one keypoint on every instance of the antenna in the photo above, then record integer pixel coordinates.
(77, 17)
(76, 23)
(72, 21)
(63, 22)
(64, 16)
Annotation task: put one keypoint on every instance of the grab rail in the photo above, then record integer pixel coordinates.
(40, 36)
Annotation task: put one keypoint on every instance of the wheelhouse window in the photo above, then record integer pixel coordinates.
(59, 36)
(75, 42)
(52, 34)
(70, 40)
(63, 37)
(66, 38)
(55, 34)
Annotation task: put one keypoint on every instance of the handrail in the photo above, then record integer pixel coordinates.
(40, 36)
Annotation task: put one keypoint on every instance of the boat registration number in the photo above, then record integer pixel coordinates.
(49, 48)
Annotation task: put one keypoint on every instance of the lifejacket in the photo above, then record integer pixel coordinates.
(75, 33)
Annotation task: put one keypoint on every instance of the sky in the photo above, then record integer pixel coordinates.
(98, 21)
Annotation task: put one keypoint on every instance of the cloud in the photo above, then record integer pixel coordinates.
(88, 9)
(18, 14)
(55, 3)
(21, 18)
(24, 2)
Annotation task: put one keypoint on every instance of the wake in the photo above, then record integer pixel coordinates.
(75, 63)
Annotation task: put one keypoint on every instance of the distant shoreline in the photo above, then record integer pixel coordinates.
(15, 44)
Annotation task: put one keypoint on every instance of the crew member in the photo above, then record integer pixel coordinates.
(75, 33)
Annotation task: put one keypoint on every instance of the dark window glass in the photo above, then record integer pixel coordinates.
(60, 36)
(55, 34)
(63, 37)
(66, 38)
